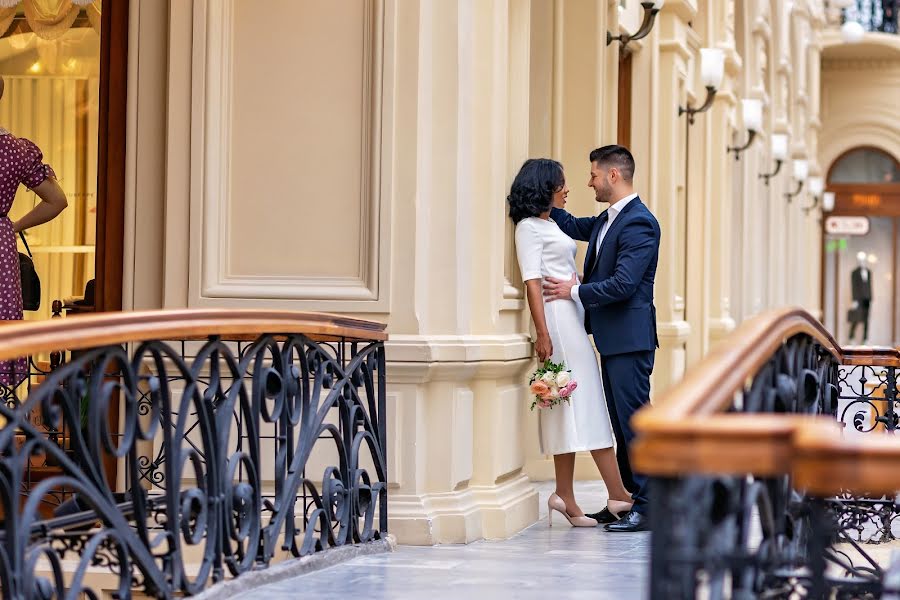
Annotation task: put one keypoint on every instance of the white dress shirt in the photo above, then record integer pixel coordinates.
(612, 212)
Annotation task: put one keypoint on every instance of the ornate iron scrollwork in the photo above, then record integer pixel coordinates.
(745, 537)
(229, 455)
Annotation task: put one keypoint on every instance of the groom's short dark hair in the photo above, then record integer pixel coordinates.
(615, 156)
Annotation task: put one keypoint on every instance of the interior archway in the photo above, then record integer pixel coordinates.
(860, 247)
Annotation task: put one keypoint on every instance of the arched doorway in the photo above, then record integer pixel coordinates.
(860, 238)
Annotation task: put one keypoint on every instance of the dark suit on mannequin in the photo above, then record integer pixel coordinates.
(861, 289)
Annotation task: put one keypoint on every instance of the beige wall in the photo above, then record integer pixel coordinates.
(355, 157)
(855, 111)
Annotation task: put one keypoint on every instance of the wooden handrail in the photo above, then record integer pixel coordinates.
(710, 385)
(685, 432)
(90, 331)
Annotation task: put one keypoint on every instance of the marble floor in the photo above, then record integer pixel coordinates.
(540, 563)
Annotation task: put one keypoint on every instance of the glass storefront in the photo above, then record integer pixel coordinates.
(50, 61)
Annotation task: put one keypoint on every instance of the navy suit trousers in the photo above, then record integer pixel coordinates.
(626, 382)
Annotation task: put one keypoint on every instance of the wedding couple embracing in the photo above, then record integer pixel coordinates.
(613, 302)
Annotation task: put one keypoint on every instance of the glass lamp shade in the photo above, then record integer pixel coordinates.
(816, 186)
(779, 146)
(852, 32)
(801, 170)
(712, 67)
(752, 110)
(828, 201)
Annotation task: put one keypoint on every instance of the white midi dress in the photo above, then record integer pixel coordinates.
(543, 251)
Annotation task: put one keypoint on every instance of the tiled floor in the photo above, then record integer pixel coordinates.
(540, 563)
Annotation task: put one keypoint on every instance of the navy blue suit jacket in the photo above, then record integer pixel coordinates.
(617, 286)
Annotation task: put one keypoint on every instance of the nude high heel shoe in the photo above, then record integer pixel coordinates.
(555, 503)
(618, 508)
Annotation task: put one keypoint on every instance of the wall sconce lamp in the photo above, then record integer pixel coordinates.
(816, 189)
(779, 153)
(752, 110)
(801, 172)
(651, 9)
(827, 205)
(712, 71)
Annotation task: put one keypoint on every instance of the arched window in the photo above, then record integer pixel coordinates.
(865, 165)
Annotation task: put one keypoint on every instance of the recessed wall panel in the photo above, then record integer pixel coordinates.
(300, 106)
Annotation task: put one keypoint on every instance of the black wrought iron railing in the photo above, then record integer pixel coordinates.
(767, 467)
(874, 15)
(177, 449)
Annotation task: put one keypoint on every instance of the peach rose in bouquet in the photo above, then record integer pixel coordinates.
(539, 388)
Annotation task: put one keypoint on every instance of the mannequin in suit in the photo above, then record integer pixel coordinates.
(861, 289)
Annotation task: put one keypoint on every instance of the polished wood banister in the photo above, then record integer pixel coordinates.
(711, 384)
(685, 431)
(90, 331)
(825, 463)
(876, 356)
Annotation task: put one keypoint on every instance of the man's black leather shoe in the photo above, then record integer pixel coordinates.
(604, 516)
(632, 522)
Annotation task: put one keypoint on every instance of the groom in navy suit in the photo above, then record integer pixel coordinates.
(617, 295)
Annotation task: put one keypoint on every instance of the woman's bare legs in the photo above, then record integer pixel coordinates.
(605, 460)
(564, 465)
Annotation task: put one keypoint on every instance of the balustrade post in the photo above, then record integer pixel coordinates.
(382, 432)
(672, 570)
(819, 540)
(890, 396)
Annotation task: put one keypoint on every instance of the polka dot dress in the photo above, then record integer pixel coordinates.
(21, 162)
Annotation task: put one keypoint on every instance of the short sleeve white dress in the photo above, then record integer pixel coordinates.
(544, 250)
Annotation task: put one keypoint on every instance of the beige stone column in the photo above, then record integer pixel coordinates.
(797, 35)
(719, 167)
(755, 232)
(781, 258)
(459, 350)
(813, 300)
(667, 91)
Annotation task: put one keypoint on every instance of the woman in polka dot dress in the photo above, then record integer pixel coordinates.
(21, 162)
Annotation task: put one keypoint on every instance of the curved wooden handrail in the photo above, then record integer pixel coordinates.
(711, 384)
(89, 331)
(685, 432)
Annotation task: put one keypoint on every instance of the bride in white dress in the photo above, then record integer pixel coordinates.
(544, 250)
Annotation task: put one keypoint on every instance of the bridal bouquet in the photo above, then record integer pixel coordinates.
(551, 384)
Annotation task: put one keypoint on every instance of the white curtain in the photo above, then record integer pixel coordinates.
(49, 19)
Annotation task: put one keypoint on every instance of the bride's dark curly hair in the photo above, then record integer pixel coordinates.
(532, 190)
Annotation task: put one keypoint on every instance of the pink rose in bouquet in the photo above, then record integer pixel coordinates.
(568, 389)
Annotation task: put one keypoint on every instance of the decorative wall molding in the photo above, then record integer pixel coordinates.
(860, 64)
(212, 279)
(464, 516)
(459, 348)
